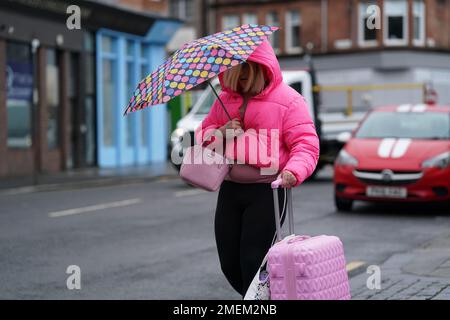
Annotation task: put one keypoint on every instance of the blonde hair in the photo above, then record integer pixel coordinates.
(255, 83)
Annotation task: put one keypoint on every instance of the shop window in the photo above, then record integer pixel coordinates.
(89, 82)
(53, 98)
(130, 86)
(19, 84)
(107, 44)
(145, 70)
(109, 101)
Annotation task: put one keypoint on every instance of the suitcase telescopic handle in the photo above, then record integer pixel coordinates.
(275, 185)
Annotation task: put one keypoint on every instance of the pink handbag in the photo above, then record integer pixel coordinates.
(201, 166)
(204, 168)
(304, 267)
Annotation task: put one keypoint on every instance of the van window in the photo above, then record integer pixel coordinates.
(209, 101)
(297, 86)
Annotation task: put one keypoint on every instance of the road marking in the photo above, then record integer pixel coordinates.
(192, 192)
(20, 190)
(354, 265)
(97, 207)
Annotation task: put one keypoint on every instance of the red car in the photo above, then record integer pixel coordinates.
(399, 153)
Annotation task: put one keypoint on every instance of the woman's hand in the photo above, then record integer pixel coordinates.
(234, 124)
(288, 179)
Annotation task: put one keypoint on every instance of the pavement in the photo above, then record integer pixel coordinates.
(86, 177)
(419, 274)
(151, 236)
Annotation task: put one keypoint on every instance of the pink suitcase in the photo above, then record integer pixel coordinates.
(304, 267)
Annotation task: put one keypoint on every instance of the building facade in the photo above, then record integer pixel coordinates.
(66, 87)
(355, 42)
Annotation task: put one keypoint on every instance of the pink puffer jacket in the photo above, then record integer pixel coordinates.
(277, 107)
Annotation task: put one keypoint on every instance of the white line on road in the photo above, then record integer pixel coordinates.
(192, 192)
(101, 206)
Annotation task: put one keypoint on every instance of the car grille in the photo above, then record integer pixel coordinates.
(388, 177)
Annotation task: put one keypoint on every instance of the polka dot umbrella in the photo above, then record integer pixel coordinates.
(196, 62)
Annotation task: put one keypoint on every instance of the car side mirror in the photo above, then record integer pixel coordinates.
(343, 137)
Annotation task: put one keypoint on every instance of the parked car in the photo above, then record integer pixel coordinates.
(399, 153)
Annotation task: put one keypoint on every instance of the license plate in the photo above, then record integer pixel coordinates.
(386, 192)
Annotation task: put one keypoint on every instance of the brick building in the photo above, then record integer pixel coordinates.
(155, 6)
(412, 44)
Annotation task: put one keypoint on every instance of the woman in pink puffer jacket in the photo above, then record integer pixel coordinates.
(272, 135)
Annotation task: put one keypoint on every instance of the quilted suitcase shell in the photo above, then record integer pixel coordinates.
(304, 267)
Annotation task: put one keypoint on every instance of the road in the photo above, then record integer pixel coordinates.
(155, 240)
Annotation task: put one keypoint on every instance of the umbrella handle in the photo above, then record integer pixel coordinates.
(220, 100)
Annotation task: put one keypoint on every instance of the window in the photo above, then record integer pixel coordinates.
(230, 21)
(293, 24)
(107, 44)
(273, 20)
(145, 70)
(53, 98)
(19, 86)
(249, 18)
(419, 22)
(298, 86)
(182, 9)
(109, 90)
(367, 33)
(89, 102)
(414, 125)
(396, 22)
(207, 103)
(109, 74)
(130, 85)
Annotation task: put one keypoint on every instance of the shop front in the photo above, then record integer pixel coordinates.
(63, 90)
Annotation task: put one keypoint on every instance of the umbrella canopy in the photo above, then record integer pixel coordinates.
(196, 62)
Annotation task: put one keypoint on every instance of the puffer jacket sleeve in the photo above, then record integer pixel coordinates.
(211, 122)
(300, 136)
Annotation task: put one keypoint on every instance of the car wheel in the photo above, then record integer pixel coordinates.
(343, 204)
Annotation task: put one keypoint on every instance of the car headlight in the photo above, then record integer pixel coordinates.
(345, 158)
(177, 135)
(440, 161)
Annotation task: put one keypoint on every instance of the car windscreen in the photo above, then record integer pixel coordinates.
(414, 125)
(207, 103)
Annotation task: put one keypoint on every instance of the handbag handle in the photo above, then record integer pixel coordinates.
(275, 185)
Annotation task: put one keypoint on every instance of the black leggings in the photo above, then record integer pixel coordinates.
(245, 228)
